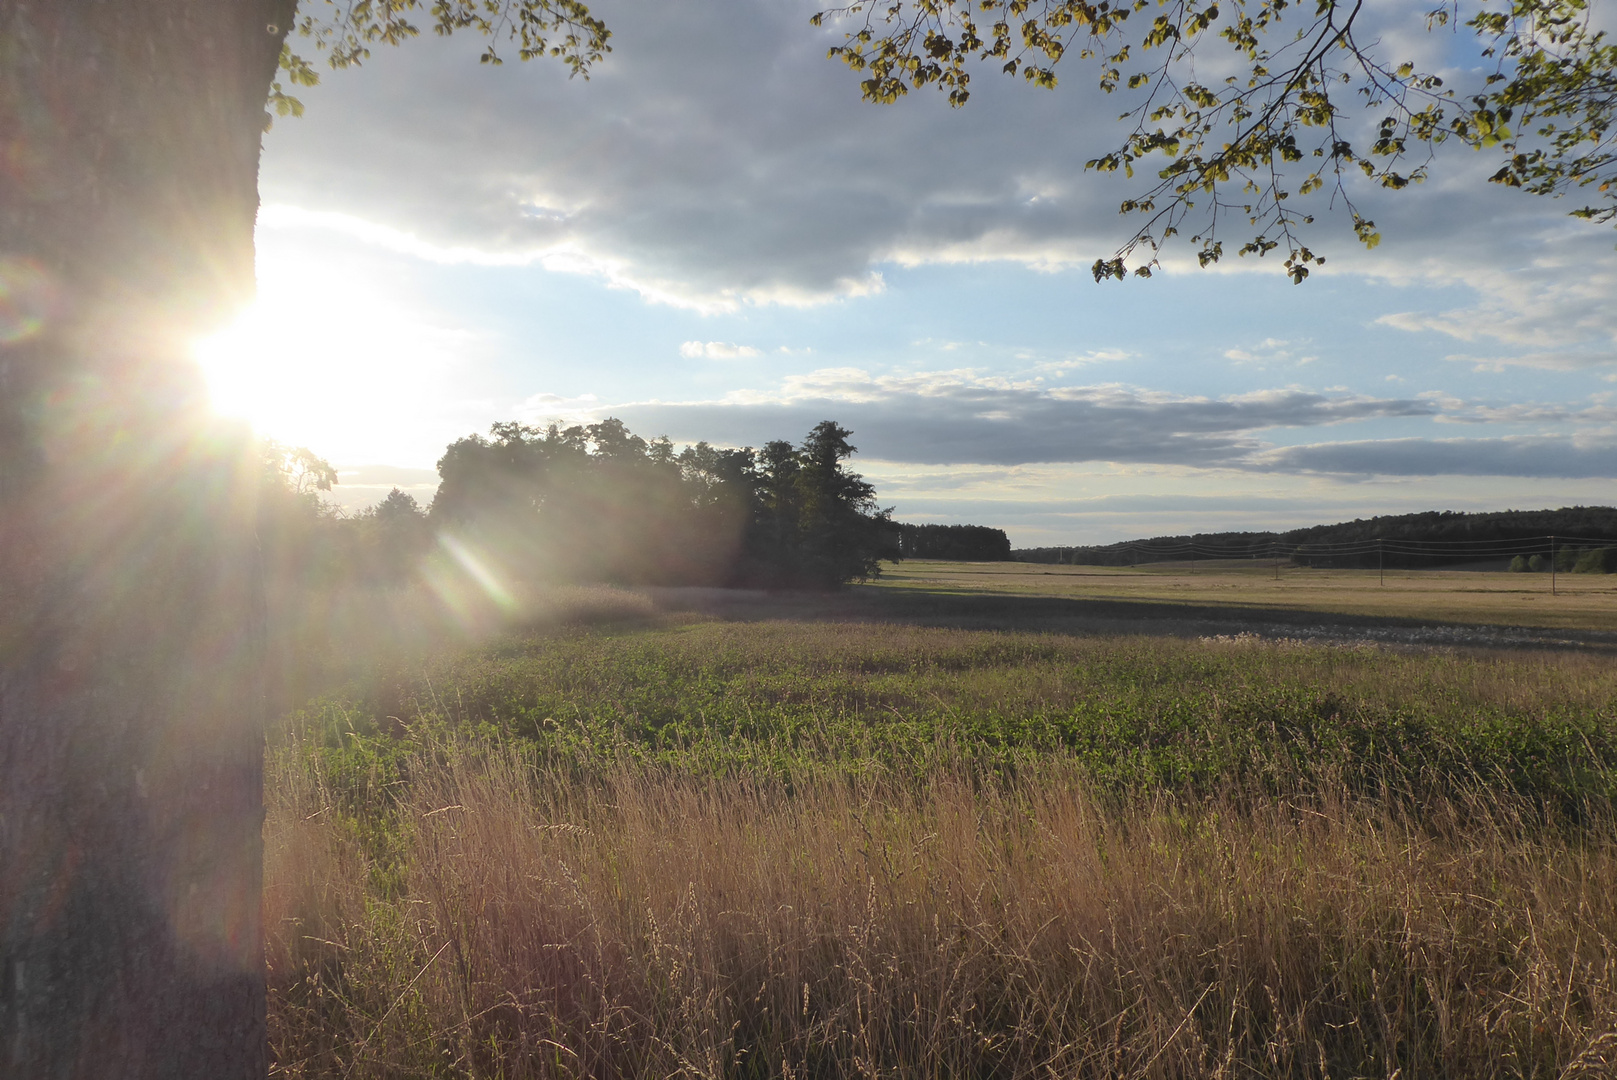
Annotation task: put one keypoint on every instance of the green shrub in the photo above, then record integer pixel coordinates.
(1597, 561)
(1518, 565)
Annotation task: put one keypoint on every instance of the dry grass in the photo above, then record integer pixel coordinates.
(646, 924)
(654, 846)
(1583, 601)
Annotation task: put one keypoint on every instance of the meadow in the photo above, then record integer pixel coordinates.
(699, 834)
(1578, 601)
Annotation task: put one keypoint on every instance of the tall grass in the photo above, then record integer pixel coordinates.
(465, 890)
(652, 925)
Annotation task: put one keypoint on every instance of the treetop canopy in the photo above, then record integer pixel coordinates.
(1316, 100)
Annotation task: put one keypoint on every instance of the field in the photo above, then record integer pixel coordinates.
(889, 833)
(1580, 601)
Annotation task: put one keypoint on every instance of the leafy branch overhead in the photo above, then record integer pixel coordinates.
(1313, 103)
(345, 31)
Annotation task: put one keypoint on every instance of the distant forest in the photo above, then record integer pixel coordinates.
(961, 543)
(1406, 541)
(595, 503)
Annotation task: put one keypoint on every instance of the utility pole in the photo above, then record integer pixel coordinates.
(1381, 562)
(1552, 565)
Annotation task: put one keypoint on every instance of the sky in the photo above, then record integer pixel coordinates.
(714, 238)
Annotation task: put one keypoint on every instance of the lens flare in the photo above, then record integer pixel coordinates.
(467, 585)
(26, 299)
(479, 571)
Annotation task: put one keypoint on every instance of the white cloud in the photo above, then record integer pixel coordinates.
(717, 350)
(1566, 360)
(555, 408)
(1270, 353)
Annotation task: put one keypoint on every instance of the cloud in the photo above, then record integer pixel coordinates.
(1270, 352)
(955, 417)
(547, 408)
(385, 476)
(717, 350)
(1567, 360)
(1528, 456)
(1536, 285)
(1554, 302)
(717, 159)
(360, 486)
(1456, 410)
(981, 425)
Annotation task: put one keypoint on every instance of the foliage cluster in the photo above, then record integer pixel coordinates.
(593, 503)
(968, 543)
(307, 542)
(1436, 527)
(1313, 102)
(345, 31)
(602, 504)
(1446, 526)
(1569, 559)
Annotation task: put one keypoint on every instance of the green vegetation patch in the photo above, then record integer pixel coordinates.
(791, 700)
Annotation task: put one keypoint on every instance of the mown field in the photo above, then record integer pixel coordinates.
(1579, 601)
(659, 841)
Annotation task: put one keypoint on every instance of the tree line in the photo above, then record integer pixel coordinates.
(1568, 560)
(1454, 537)
(960, 543)
(598, 503)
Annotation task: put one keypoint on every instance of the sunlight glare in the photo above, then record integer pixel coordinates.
(332, 363)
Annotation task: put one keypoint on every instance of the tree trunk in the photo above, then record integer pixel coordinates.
(131, 632)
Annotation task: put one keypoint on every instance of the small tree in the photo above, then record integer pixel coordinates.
(842, 535)
(1597, 561)
(393, 536)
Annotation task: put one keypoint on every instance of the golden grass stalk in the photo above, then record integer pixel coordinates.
(652, 924)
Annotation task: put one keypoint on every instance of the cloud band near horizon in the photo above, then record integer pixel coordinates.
(958, 419)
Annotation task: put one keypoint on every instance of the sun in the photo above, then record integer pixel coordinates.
(329, 360)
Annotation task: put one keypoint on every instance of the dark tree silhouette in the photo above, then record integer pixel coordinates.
(842, 534)
(972, 543)
(131, 600)
(601, 503)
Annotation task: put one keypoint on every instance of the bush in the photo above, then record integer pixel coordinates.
(1538, 563)
(1597, 561)
(1518, 565)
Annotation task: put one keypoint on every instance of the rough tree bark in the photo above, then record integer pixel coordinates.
(130, 634)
